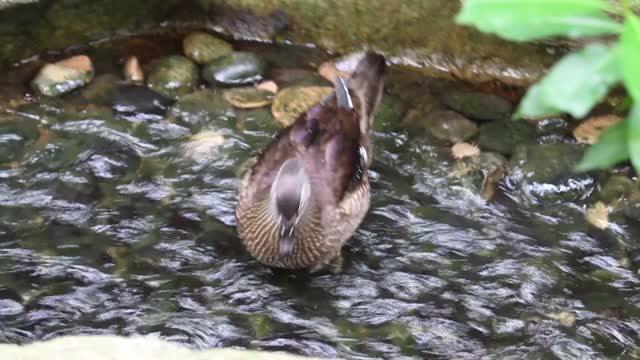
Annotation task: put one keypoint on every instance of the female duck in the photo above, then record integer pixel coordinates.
(309, 190)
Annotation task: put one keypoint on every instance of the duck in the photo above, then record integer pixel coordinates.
(309, 190)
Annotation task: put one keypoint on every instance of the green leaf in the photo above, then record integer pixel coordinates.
(630, 56)
(610, 149)
(633, 136)
(524, 20)
(533, 105)
(574, 84)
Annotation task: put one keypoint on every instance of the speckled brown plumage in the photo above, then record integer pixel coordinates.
(330, 146)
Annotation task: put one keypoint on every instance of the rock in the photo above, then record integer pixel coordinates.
(248, 98)
(631, 206)
(443, 125)
(269, 86)
(238, 68)
(590, 130)
(565, 318)
(203, 145)
(543, 174)
(290, 102)
(173, 76)
(330, 71)
(297, 77)
(480, 173)
(100, 90)
(462, 150)
(504, 136)
(203, 48)
(598, 215)
(552, 126)
(133, 99)
(477, 105)
(132, 70)
(64, 76)
(202, 108)
(615, 188)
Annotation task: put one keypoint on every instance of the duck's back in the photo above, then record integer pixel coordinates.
(309, 191)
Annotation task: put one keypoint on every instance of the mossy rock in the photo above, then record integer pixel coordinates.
(204, 48)
(477, 105)
(503, 136)
(173, 76)
(203, 108)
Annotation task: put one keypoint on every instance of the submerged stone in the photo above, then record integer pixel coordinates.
(443, 125)
(202, 108)
(503, 136)
(248, 97)
(238, 68)
(64, 76)
(203, 48)
(544, 174)
(133, 99)
(615, 188)
(173, 76)
(477, 105)
(100, 90)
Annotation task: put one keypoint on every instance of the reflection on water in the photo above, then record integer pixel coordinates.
(107, 226)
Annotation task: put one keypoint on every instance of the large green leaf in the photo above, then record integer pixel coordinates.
(523, 20)
(630, 56)
(574, 84)
(633, 136)
(610, 149)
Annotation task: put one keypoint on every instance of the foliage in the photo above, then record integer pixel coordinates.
(581, 79)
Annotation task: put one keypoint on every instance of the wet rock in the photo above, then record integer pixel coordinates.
(132, 70)
(598, 215)
(443, 125)
(203, 145)
(238, 68)
(480, 173)
(64, 76)
(173, 76)
(503, 136)
(202, 108)
(290, 102)
(477, 105)
(615, 188)
(269, 86)
(555, 125)
(330, 71)
(543, 174)
(631, 206)
(132, 99)
(463, 150)
(590, 130)
(297, 77)
(100, 90)
(203, 48)
(248, 97)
